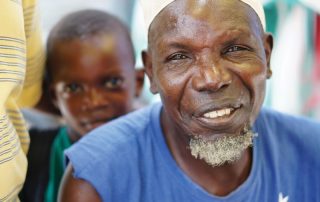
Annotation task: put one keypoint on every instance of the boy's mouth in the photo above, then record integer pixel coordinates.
(94, 123)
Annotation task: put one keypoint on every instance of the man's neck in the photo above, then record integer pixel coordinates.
(220, 180)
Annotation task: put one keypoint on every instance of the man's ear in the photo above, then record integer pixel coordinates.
(139, 81)
(268, 46)
(147, 63)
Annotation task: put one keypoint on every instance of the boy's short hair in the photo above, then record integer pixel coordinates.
(82, 24)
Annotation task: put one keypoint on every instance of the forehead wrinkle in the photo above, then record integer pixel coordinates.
(177, 13)
(173, 40)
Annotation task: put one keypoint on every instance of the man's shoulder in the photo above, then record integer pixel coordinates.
(133, 123)
(289, 145)
(294, 133)
(118, 139)
(289, 123)
(117, 147)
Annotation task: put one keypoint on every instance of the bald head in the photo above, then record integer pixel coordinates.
(236, 14)
(152, 8)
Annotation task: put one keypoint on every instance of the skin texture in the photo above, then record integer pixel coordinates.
(93, 81)
(198, 62)
(201, 58)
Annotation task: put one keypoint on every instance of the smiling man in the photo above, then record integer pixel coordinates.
(209, 140)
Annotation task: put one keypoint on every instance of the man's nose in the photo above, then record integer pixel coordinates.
(211, 77)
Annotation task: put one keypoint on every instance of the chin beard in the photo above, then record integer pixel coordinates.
(222, 150)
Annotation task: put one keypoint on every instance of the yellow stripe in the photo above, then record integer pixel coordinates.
(11, 196)
(20, 41)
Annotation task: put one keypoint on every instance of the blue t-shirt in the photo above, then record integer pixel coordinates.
(128, 160)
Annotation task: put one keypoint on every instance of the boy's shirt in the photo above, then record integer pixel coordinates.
(21, 66)
(56, 169)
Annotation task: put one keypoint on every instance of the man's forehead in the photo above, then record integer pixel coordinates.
(191, 19)
(153, 8)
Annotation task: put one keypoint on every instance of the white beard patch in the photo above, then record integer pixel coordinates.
(222, 150)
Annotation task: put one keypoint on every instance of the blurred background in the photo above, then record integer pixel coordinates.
(295, 24)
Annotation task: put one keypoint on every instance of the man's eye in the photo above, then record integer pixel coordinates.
(113, 83)
(235, 49)
(177, 56)
(73, 88)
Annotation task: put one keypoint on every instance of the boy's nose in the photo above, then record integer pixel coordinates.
(96, 100)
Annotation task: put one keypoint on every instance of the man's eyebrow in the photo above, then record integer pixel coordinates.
(236, 34)
(175, 44)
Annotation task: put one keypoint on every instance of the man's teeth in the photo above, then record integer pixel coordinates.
(218, 113)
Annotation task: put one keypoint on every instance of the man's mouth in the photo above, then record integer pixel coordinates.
(218, 117)
(225, 112)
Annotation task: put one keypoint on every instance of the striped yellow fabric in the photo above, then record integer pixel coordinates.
(21, 62)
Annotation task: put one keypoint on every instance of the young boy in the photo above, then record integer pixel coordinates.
(91, 77)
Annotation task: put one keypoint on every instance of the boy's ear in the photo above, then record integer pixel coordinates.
(268, 46)
(46, 103)
(139, 81)
(147, 63)
(53, 97)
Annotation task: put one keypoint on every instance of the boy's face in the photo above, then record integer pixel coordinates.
(93, 81)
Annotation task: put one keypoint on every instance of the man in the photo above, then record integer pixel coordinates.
(21, 62)
(209, 140)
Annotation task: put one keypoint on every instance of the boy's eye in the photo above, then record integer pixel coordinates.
(73, 88)
(113, 83)
(177, 56)
(235, 49)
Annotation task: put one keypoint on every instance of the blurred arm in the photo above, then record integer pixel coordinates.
(19, 45)
(72, 189)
